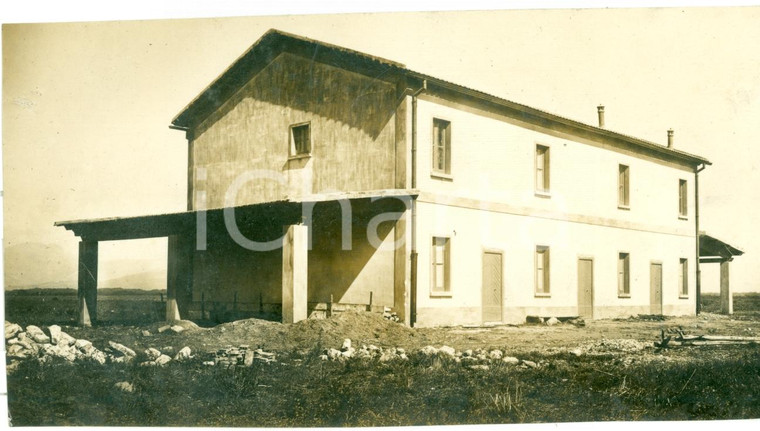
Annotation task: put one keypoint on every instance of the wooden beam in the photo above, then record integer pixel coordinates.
(87, 287)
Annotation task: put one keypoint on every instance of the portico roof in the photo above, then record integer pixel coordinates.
(285, 211)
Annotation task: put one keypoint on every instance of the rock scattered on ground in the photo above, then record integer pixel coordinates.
(125, 387)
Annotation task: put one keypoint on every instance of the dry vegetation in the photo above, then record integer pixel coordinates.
(608, 370)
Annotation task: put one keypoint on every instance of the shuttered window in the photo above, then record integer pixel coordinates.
(683, 278)
(542, 169)
(441, 266)
(623, 186)
(542, 270)
(441, 146)
(624, 274)
(682, 198)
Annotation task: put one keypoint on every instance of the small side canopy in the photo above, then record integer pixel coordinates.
(713, 250)
(711, 247)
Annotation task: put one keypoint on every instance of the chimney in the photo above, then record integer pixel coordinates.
(670, 138)
(600, 110)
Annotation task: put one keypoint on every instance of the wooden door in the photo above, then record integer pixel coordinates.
(655, 288)
(492, 287)
(586, 288)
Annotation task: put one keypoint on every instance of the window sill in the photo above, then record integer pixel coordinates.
(441, 176)
(440, 295)
(543, 194)
(683, 217)
(683, 296)
(299, 157)
(543, 295)
(624, 207)
(624, 295)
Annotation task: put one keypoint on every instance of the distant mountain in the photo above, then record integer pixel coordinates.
(150, 280)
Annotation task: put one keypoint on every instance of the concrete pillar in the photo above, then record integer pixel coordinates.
(295, 273)
(173, 270)
(402, 268)
(726, 298)
(87, 288)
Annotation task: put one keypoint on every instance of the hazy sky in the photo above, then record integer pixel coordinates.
(86, 106)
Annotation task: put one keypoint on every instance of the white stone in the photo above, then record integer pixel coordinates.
(530, 364)
(429, 350)
(478, 367)
(346, 345)
(37, 335)
(323, 357)
(510, 360)
(125, 387)
(152, 353)
(333, 354)
(18, 351)
(163, 360)
(495, 354)
(97, 356)
(146, 333)
(55, 333)
(11, 330)
(66, 339)
(164, 328)
(552, 321)
(83, 346)
(124, 350)
(446, 350)
(177, 329)
(576, 352)
(348, 353)
(467, 352)
(183, 354)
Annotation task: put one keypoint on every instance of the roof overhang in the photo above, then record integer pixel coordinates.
(711, 247)
(273, 213)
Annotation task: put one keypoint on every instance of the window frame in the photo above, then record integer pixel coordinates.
(683, 199)
(624, 288)
(683, 278)
(446, 264)
(293, 152)
(542, 162)
(444, 173)
(624, 186)
(542, 253)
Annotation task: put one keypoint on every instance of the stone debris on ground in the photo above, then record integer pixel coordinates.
(242, 356)
(177, 329)
(145, 333)
(183, 355)
(163, 329)
(37, 335)
(125, 387)
(390, 315)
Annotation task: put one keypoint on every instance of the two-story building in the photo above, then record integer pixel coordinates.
(321, 177)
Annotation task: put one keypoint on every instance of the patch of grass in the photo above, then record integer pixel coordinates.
(420, 391)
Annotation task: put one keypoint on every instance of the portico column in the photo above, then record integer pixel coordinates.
(295, 273)
(726, 298)
(173, 277)
(87, 286)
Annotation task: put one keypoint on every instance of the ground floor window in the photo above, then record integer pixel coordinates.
(441, 267)
(542, 270)
(624, 275)
(683, 278)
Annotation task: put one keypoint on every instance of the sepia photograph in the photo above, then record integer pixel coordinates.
(382, 218)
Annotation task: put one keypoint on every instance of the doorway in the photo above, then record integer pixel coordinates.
(586, 288)
(492, 286)
(655, 288)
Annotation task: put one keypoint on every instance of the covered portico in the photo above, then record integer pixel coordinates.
(285, 226)
(713, 250)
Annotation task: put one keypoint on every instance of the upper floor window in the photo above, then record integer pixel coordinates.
(300, 139)
(441, 146)
(542, 271)
(542, 169)
(624, 194)
(624, 275)
(441, 263)
(682, 198)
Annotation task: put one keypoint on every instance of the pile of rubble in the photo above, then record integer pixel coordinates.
(390, 315)
(33, 343)
(477, 359)
(241, 356)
